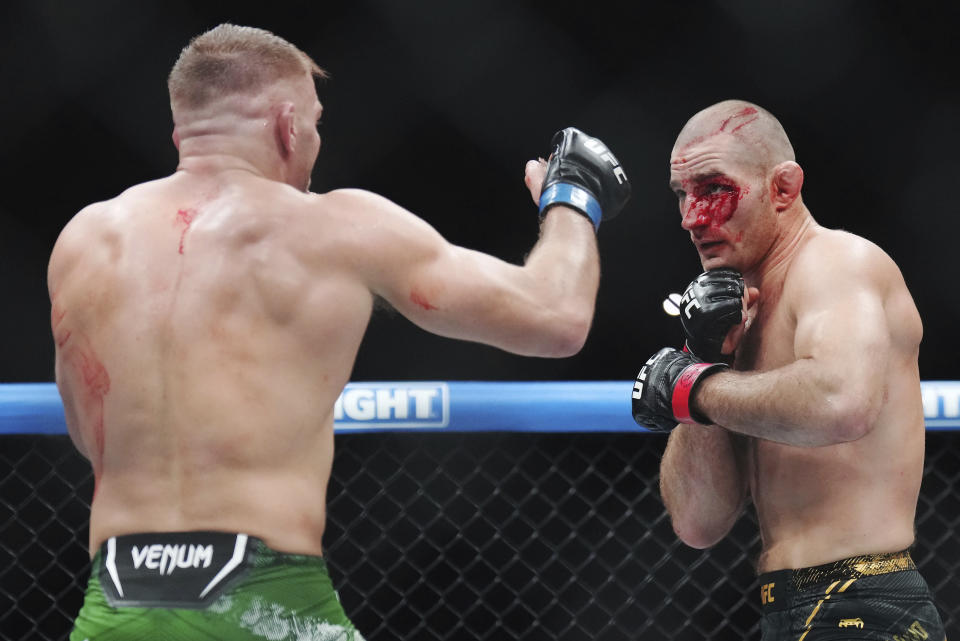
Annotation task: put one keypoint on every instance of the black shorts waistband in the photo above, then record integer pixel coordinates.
(172, 569)
(783, 584)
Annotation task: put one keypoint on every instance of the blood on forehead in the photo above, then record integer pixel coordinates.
(712, 200)
(744, 115)
(730, 125)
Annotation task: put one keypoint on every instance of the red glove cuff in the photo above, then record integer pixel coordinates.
(684, 388)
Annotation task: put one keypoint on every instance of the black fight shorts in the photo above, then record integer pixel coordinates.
(878, 596)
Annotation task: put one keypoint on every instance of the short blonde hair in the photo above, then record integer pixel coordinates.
(230, 59)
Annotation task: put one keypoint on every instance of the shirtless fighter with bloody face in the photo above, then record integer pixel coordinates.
(205, 324)
(819, 421)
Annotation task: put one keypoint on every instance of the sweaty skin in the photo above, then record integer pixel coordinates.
(822, 425)
(206, 322)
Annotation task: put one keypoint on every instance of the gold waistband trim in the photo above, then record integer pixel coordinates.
(853, 568)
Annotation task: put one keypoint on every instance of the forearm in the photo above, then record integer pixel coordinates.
(702, 483)
(565, 262)
(799, 404)
(543, 308)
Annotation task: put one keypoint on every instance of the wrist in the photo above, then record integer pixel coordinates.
(562, 216)
(686, 398)
(573, 196)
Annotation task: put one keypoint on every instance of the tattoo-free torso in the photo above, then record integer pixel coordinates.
(819, 504)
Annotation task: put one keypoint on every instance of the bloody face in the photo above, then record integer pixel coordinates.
(712, 201)
(720, 202)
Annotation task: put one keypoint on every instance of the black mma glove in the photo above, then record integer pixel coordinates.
(709, 308)
(664, 387)
(583, 175)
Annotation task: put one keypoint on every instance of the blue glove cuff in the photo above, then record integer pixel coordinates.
(573, 197)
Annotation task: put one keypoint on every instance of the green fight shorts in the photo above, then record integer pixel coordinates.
(876, 596)
(201, 586)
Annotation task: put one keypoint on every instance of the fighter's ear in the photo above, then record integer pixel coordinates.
(786, 184)
(286, 128)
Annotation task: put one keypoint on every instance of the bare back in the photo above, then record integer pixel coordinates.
(820, 504)
(204, 329)
(205, 324)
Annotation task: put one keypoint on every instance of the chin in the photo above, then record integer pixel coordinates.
(713, 262)
(717, 262)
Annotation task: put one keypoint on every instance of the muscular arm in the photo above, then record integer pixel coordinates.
(543, 308)
(703, 482)
(63, 260)
(70, 412)
(833, 391)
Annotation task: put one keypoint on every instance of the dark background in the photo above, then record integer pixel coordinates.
(438, 104)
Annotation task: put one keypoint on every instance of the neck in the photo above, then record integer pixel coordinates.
(213, 154)
(229, 136)
(772, 269)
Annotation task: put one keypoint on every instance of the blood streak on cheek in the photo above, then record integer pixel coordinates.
(185, 217)
(715, 208)
(419, 300)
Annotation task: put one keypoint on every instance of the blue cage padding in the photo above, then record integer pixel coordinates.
(454, 406)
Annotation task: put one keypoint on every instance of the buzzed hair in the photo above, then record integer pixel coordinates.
(757, 129)
(230, 59)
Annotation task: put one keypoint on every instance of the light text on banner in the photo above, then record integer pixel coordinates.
(377, 405)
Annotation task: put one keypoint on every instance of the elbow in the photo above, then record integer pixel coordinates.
(851, 417)
(567, 335)
(703, 524)
(699, 535)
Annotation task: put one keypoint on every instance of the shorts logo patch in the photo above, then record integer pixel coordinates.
(851, 623)
(165, 558)
(171, 569)
(766, 593)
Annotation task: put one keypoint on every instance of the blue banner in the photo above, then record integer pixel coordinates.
(454, 406)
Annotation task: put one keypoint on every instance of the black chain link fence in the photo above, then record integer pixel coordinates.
(471, 536)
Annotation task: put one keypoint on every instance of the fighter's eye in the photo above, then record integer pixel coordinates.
(714, 189)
